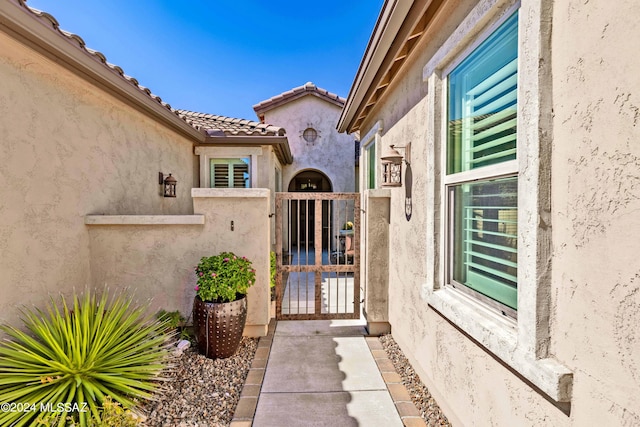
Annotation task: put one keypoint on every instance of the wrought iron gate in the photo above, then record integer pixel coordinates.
(317, 256)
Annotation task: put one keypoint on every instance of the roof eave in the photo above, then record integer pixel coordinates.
(389, 21)
(23, 25)
(399, 28)
(296, 93)
(280, 144)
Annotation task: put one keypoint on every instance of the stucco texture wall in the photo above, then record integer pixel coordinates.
(157, 262)
(69, 149)
(332, 153)
(595, 182)
(596, 206)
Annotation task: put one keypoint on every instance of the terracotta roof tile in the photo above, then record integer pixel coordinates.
(295, 93)
(214, 125)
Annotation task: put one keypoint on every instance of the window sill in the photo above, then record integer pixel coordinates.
(498, 335)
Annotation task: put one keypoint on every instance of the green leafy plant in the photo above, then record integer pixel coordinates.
(171, 319)
(224, 277)
(175, 321)
(347, 225)
(115, 415)
(272, 276)
(74, 357)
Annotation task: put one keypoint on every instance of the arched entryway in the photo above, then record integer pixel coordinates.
(310, 181)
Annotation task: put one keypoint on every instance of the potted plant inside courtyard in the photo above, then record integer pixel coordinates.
(220, 304)
(347, 228)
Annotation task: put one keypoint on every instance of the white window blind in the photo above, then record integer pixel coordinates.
(486, 235)
(483, 210)
(491, 135)
(230, 173)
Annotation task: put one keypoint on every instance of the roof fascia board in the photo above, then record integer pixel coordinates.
(375, 76)
(389, 22)
(27, 28)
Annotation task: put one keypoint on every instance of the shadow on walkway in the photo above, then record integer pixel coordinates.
(322, 373)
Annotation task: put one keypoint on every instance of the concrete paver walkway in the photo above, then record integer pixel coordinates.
(321, 373)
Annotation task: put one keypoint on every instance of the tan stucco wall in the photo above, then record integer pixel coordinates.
(596, 206)
(69, 149)
(158, 261)
(332, 153)
(594, 300)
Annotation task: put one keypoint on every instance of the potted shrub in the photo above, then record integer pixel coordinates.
(220, 305)
(347, 228)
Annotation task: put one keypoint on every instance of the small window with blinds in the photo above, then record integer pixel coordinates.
(482, 174)
(230, 173)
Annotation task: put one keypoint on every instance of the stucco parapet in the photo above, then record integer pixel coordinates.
(144, 219)
(498, 335)
(240, 193)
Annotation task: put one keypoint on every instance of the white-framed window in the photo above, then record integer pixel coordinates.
(369, 156)
(491, 180)
(230, 173)
(229, 167)
(481, 176)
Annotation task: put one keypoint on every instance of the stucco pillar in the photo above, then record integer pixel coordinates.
(375, 248)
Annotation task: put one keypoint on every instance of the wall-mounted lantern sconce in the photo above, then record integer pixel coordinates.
(169, 185)
(391, 162)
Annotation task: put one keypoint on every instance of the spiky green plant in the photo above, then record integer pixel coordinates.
(77, 356)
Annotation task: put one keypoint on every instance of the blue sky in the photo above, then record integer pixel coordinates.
(224, 56)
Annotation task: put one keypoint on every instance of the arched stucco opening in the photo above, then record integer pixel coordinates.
(302, 229)
(310, 180)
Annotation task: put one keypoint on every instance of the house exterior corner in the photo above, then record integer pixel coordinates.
(526, 318)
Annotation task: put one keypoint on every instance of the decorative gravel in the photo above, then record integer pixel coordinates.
(205, 392)
(201, 391)
(422, 399)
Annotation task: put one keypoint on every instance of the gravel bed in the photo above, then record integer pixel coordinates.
(200, 391)
(428, 407)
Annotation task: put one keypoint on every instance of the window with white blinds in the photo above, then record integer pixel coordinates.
(483, 207)
(230, 173)
(483, 93)
(485, 226)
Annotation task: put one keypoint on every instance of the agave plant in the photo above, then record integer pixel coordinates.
(72, 358)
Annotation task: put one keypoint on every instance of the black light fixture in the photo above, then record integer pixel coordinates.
(169, 185)
(392, 166)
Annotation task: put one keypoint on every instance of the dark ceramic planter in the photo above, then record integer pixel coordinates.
(218, 326)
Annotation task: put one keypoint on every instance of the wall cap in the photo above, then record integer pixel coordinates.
(144, 219)
(240, 193)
